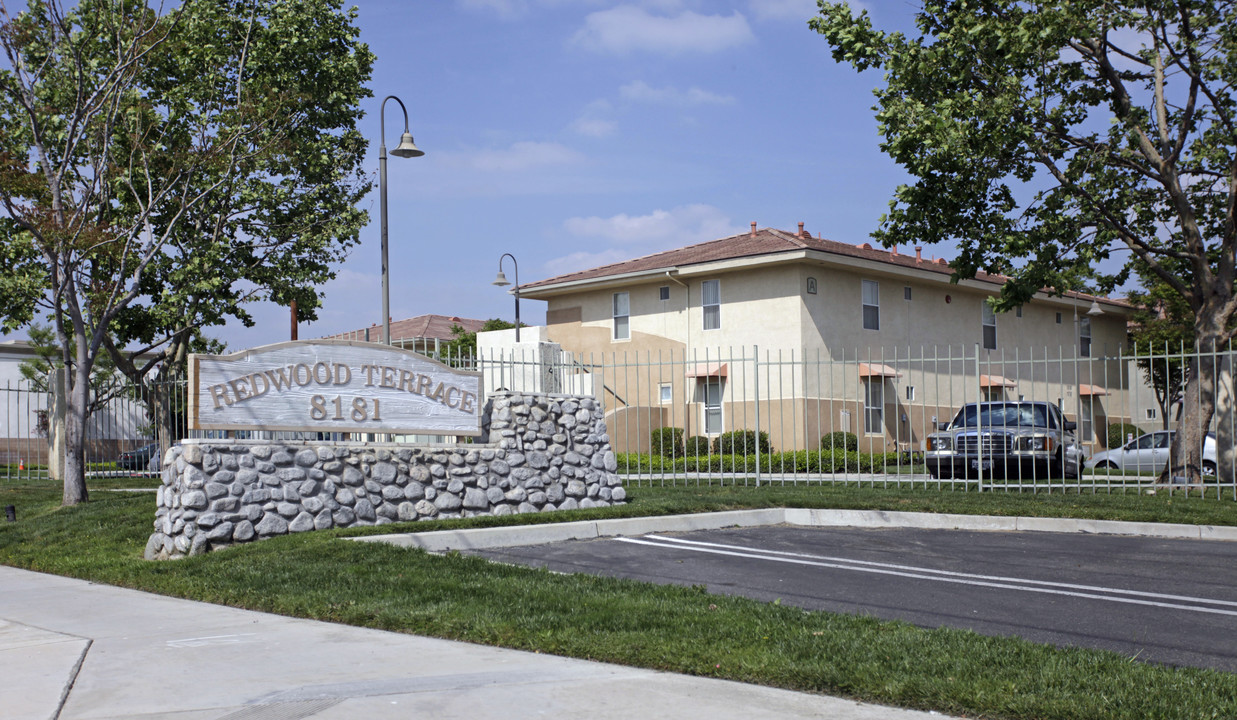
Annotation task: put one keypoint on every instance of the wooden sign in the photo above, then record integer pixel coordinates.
(332, 386)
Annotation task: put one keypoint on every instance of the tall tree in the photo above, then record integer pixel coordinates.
(160, 169)
(1047, 135)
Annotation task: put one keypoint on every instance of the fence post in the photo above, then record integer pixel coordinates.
(979, 430)
(756, 376)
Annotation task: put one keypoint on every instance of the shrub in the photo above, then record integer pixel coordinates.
(1117, 432)
(696, 445)
(840, 440)
(740, 442)
(667, 442)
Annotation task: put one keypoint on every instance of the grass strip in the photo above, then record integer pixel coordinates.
(313, 575)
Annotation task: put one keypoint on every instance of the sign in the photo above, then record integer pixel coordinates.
(332, 386)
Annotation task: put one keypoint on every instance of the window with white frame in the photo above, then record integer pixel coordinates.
(871, 305)
(1151, 414)
(665, 393)
(1084, 337)
(910, 393)
(711, 302)
(874, 406)
(988, 320)
(663, 292)
(1085, 421)
(711, 388)
(622, 316)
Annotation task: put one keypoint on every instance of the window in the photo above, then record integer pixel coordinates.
(988, 319)
(906, 293)
(910, 393)
(1151, 414)
(811, 286)
(712, 388)
(1058, 318)
(1018, 311)
(663, 292)
(622, 316)
(874, 406)
(665, 393)
(1084, 426)
(1084, 337)
(711, 301)
(871, 305)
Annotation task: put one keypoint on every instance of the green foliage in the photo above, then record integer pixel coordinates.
(840, 439)
(160, 172)
(667, 442)
(1051, 140)
(1118, 432)
(462, 346)
(741, 442)
(696, 445)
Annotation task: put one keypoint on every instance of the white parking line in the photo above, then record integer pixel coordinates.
(1091, 592)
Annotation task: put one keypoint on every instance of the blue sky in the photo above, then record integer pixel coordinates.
(573, 133)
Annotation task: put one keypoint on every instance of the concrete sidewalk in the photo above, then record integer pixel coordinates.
(74, 649)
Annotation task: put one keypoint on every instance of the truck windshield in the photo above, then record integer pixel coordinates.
(1009, 414)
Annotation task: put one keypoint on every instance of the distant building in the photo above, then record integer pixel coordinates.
(888, 329)
(424, 333)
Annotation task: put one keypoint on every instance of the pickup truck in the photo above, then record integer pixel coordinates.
(989, 439)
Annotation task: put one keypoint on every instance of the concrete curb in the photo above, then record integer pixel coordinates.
(447, 540)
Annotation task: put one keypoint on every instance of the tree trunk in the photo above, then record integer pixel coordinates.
(1197, 410)
(75, 438)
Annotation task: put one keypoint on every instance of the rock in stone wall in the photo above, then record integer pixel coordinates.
(545, 452)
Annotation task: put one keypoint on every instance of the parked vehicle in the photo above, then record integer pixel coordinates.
(139, 459)
(1149, 454)
(1023, 439)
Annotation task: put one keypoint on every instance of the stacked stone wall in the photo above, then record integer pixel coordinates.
(540, 453)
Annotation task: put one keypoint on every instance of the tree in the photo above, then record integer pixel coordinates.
(1046, 135)
(158, 171)
(1161, 335)
(463, 344)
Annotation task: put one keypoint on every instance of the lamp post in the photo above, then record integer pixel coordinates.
(406, 149)
(502, 281)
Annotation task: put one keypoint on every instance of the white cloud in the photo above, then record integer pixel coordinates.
(786, 9)
(626, 28)
(502, 9)
(640, 91)
(518, 157)
(595, 121)
(659, 230)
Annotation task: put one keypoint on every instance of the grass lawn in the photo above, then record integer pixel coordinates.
(315, 575)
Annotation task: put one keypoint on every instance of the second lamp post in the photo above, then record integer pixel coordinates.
(406, 149)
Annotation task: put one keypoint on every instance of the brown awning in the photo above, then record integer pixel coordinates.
(1091, 390)
(990, 381)
(707, 370)
(867, 370)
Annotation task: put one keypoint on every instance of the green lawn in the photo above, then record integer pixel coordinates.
(315, 575)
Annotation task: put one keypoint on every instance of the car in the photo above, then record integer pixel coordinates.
(1023, 438)
(1149, 454)
(138, 459)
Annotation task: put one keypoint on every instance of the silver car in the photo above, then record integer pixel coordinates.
(1149, 454)
(1024, 439)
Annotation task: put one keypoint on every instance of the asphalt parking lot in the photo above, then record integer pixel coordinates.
(1159, 600)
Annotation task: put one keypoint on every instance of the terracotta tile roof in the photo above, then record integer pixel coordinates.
(421, 326)
(770, 241)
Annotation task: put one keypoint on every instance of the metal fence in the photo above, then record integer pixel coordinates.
(750, 416)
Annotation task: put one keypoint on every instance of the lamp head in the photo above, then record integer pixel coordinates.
(406, 148)
(501, 280)
(1095, 309)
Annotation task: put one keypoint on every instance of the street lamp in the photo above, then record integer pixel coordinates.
(501, 281)
(406, 149)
